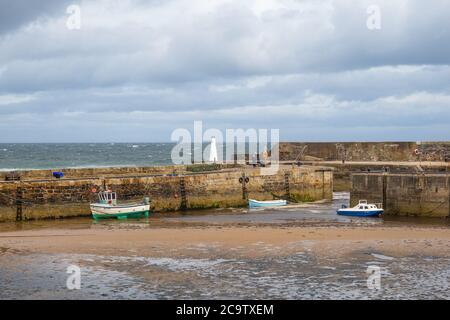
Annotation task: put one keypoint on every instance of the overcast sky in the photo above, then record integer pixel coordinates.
(137, 70)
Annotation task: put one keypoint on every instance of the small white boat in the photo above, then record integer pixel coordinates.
(265, 204)
(363, 209)
(107, 207)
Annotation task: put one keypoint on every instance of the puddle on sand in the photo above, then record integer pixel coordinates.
(382, 257)
(296, 276)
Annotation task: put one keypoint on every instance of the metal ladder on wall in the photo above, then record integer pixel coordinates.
(183, 205)
(286, 186)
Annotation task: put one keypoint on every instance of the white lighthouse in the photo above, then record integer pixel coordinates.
(213, 151)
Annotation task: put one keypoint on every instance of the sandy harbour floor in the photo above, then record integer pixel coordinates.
(299, 253)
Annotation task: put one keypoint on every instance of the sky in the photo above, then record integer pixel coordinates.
(134, 70)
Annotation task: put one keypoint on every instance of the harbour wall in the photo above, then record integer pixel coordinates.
(342, 171)
(102, 172)
(170, 188)
(365, 151)
(423, 194)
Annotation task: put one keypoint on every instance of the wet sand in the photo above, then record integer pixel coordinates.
(129, 238)
(304, 252)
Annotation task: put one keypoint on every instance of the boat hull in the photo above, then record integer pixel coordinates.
(354, 213)
(266, 204)
(102, 211)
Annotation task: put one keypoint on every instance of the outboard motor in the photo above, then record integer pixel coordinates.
(146, 200)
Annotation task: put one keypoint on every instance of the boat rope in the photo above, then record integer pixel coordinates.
(277, 197)
(437, 207)
(13, 200)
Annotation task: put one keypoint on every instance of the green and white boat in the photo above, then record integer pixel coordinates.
(107, 207)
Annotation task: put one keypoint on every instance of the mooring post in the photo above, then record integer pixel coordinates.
(19, 201)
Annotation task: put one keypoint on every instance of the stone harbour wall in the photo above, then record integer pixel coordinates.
(365, 151)
(108, 171)
(404, 194)
(58, 198)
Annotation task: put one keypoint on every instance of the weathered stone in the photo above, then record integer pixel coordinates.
(365, 151)
(404, 194)
(213, 189)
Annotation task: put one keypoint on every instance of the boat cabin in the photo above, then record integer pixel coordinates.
(107, 197)
(363, 205)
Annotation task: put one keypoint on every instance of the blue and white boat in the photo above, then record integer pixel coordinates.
(363, 209)
(252, 204)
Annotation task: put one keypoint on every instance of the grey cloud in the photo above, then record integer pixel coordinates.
(230, 41)
(16, 13)
(300, 65)
(360, 85)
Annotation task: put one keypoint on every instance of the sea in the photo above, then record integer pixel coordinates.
(22, 156)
